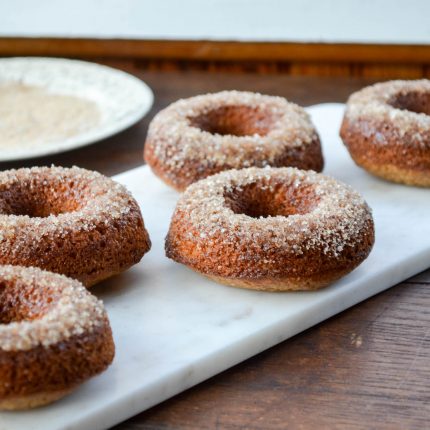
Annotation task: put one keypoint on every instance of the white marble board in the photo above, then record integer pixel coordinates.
(174, 328)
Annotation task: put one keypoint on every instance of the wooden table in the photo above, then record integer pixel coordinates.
(367, 367)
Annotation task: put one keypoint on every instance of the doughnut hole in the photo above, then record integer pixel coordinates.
(235, 120)
(414, 101)
(52, 196)
(257, 201)
(20, 301)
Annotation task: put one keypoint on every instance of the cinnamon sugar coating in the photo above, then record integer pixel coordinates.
(70, 221)
(271, 229)
(197, 137)
(54, 335)
(386, 129)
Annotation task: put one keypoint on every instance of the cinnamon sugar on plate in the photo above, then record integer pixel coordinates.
(32, 116)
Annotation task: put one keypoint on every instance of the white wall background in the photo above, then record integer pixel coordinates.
(382, 21)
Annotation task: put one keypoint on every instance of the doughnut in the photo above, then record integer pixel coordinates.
(54, 335)
(386, 128)
(272, 229)
(70, 221)
(197, 137)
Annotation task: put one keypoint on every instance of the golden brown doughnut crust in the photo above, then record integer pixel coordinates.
(200, 136)
(386, 129)
(54, 335)
(271, 229)
(70, 221)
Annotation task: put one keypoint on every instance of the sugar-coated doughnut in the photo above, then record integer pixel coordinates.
(197, 137)
(70, 221)
(271, 229)
(386, 129)
(54, 335)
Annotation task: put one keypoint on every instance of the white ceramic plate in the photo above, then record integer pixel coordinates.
(121, 99)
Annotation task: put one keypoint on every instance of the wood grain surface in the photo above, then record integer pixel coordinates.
(366, 368)
(215, 50)
(314, 59)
